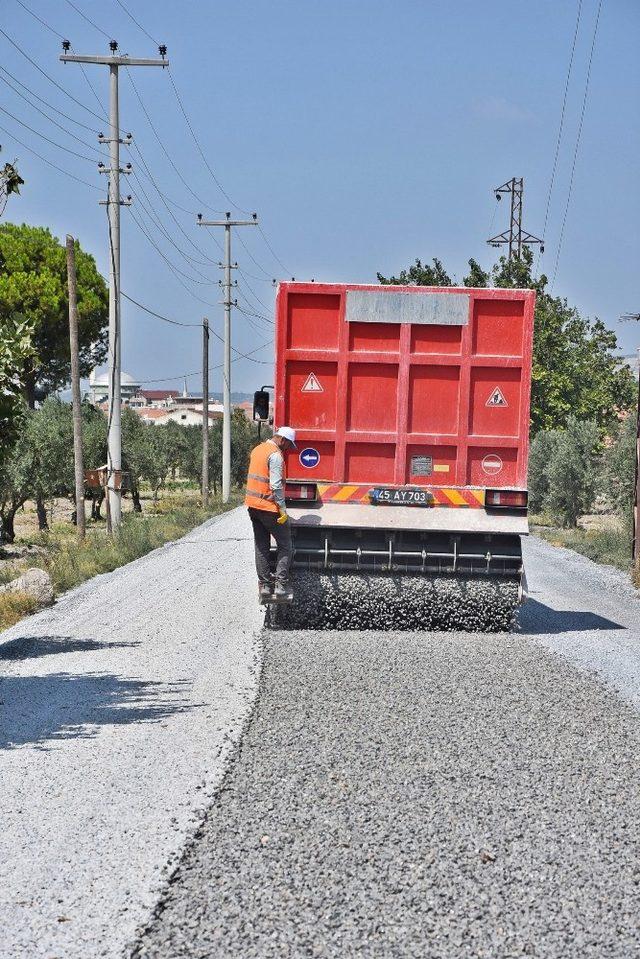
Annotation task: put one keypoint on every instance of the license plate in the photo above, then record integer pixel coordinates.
(384, 496)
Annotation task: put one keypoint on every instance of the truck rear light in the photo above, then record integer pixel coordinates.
(507, 498)
(301, 491)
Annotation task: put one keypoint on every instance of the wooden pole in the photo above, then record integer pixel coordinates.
(205, 413)
(75, 387)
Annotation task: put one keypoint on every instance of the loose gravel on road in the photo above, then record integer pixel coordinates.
(442, 796)
(119, 710)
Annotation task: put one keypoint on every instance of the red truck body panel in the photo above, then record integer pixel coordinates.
(389, 389)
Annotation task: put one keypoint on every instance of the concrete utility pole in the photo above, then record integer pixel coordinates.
(226, 363)
(205, 413)
(113, 204)
(515, 237)
(75, 387)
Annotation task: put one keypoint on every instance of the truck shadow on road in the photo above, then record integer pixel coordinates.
(33, 647)
(537, 619)
(43, 710)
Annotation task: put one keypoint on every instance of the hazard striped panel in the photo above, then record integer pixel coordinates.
(442, 496)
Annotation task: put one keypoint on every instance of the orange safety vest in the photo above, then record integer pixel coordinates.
(258, 493)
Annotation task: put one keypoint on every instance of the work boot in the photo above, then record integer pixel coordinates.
(283, 593)
(265, 592)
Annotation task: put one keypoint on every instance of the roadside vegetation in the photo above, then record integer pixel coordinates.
(162, 502)
(581, 489)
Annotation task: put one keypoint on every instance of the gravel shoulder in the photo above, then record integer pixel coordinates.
(120, 708)
(442, 796)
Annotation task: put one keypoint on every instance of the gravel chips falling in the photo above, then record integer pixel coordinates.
(388, 602)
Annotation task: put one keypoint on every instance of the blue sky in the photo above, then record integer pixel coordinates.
(365, 133)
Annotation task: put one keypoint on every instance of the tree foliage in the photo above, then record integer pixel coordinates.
(564, 470)
(16, 349)
(620, 470)
(33, 283)
(575, 369)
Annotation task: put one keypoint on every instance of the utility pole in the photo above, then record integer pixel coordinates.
(205, 413)
(75, 388)
(113, 204)
(226, 361)
(515, 237)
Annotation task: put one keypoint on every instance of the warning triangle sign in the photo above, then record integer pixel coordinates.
(312, 384)
(497, 398)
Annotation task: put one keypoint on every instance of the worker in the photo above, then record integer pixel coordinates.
(268, 513)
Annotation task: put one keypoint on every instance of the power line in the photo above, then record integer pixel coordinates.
(74, 153)
(159, 316)
(177, 171)
(174, 269)
(46, 102)
(47, 76)
(272, 251)
(50, 162)
(60, 126)
(155, 217)
(199, 148)
(61, 37)
(89, 20)
(252, 257)
(239, 354)
(575, 152)
(40, 20)
(255, 297)
(165, 201)
(562, 116)
(137, 23)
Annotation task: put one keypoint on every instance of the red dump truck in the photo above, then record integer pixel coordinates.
(411, 406)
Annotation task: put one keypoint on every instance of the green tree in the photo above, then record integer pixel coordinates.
(40, 464)
(33, 283)
(419, 274)
(620, 470)
(572, 471)
(16, 349)
(169, 447)
(575, 370)
(541, 452)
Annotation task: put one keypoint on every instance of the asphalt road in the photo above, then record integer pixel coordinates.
(431, 795)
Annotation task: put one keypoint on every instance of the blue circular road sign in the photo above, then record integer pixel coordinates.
(309, 457)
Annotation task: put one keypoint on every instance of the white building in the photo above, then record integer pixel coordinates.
(99, 387)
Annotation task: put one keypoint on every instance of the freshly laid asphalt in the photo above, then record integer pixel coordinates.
(431, 795)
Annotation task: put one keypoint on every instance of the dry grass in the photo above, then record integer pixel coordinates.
(70, 562)
(603, 540)
(14, 607)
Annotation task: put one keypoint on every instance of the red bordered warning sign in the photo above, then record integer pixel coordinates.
(312, 385)
(497, 398)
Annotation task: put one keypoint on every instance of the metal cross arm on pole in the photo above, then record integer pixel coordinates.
(113, 61)
(113, 203)
(227, 223)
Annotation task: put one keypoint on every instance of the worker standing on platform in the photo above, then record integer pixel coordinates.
(267, 511)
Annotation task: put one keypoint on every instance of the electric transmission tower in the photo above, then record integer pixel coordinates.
(113, 203)
(515, 237)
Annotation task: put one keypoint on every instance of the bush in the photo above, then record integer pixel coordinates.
(620, 470)
(14, 606)
(564, 470)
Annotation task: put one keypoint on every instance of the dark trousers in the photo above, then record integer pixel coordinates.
(264, 527)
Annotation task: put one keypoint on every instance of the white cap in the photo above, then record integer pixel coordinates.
(288, 434)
